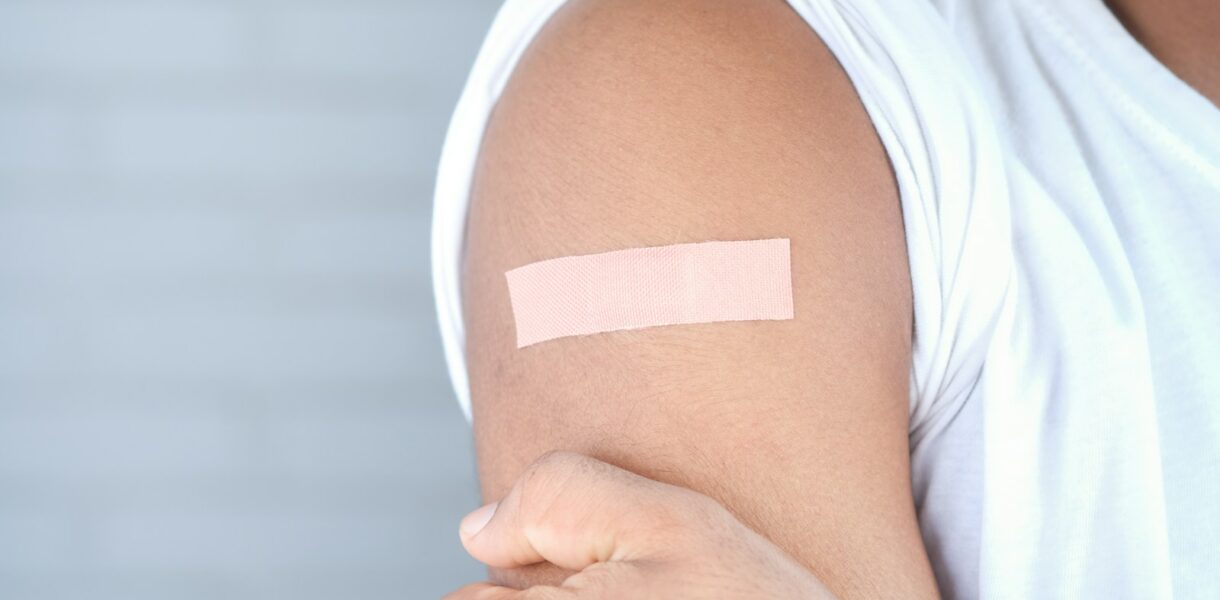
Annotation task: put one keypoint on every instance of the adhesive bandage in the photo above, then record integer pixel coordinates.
(703, 282)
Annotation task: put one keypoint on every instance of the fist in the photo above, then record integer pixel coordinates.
(624, 536)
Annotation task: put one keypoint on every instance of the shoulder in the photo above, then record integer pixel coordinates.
(633, 123)
(728, 111)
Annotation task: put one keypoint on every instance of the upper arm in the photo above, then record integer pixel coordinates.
(632, 123)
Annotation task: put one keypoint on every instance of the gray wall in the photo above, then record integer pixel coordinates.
(220, 375)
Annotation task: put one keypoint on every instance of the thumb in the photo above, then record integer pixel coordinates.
(573, 511)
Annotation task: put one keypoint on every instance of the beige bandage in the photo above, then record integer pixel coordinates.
(648, 287)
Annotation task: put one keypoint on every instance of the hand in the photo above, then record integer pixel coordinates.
(626, 537)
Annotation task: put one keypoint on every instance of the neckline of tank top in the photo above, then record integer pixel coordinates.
(1154, 96)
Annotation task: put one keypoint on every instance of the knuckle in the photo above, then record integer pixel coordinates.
(559, 460)
(704, 507)
(542, 487)
(554, 469)
(686, 507)
(689, 518)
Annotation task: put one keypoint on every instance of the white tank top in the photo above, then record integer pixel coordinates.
(1061, 197)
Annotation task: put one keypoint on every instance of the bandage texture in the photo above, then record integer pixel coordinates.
(648, 287)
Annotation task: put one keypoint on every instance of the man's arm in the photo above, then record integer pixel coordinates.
(632, 123)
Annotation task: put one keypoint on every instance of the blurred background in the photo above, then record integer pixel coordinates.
(220, 372)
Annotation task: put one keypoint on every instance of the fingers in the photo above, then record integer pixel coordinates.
(481, 591)
(487, 591)
(574, 511)
(520, 578)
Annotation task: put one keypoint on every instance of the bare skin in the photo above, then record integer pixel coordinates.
(1182, 34)
(641, 122)
(625, 537)
(632, 123)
